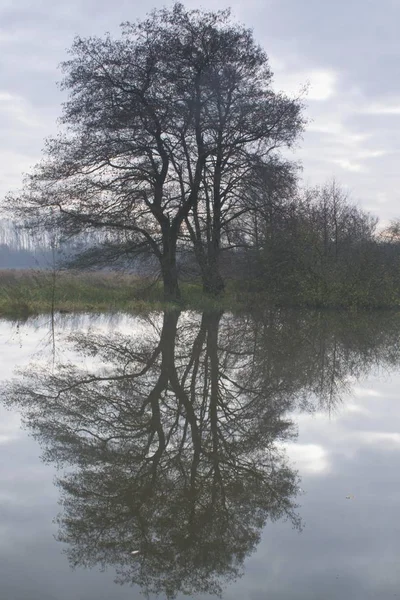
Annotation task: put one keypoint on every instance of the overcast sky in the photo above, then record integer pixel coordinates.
(347, 50)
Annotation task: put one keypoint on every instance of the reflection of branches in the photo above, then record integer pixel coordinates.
(166, 456)
(308, 358)
(171, 436)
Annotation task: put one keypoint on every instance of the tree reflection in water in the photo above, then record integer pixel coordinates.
(171, 439)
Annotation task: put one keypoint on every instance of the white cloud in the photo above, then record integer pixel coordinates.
(308, 458)
(373, 154)
(321, 124)
(382, 109)
(320, 83)
(334, 142)
(347, 165)
(360, 391)
(353, 408)
(379, 438)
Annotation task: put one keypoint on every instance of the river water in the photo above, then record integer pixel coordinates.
(188, 455)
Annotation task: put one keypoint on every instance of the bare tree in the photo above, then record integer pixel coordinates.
(337, 222)
(165, 119)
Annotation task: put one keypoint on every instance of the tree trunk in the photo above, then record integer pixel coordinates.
(213, 284)
(170, 279)
(169, 269)
(212, 320)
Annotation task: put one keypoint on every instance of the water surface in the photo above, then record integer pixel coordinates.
(249, 457)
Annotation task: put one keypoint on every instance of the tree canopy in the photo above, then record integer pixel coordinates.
(161, 129)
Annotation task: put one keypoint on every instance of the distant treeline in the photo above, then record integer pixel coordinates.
(21, 249)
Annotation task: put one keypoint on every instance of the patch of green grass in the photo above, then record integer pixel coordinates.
(27, 292)
(24, 293)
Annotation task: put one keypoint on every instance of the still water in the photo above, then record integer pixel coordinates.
(189, 455)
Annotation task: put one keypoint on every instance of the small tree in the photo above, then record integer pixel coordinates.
(158, 123)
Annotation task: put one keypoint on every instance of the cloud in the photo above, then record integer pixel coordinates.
(383, 439)
(383, 109)
(320, 84)
(370, 392)
(308, 458)
(353, 408)
(336, 129)
(347, 165)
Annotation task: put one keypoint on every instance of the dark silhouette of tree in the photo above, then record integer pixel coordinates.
(168, 453)
(308, 359)
(315, 247)
(160, 125)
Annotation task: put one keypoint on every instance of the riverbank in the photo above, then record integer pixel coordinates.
(30, 292)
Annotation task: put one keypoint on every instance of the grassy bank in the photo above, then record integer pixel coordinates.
(25, 292)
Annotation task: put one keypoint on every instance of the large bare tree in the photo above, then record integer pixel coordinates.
(165, 119)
